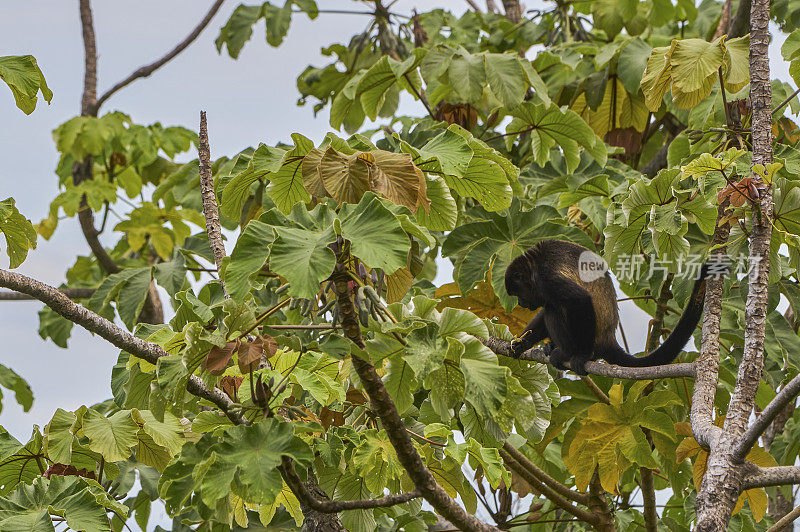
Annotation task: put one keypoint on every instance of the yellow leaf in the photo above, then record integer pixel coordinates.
(688, 447)
(398, 284)
(615, 394)
(758, 501)
(483, 302)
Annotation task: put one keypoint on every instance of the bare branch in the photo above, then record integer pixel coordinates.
(491, 7)
(146, 70)
(72, 293)
(552, 496)
(686, 369)
(383, 405)
(513, 10)
(62, 305)
(473, 5)
(784, 397)
(89, 96)
(761, 477)
(210, 209)
(724, 20)
(785, 520)
(331, 507)
(706, 366)
(543, 477)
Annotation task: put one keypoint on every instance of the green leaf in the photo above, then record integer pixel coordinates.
(309, 248)
(506, 78)
(632, 63)
(129, 288)
(485, 380)
(246, 460)
(278, 21)
(22, 391)
(18, 231)
(81, 502)
(248, 257)
(467, 76)
(113, 436)
(443, 211)
(25, 79)
(265, 160)
(376, 235)
(238, 29)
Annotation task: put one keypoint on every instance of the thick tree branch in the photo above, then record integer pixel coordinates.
(62, 305)
(724, 20)
(331, 507)
(473, 5)
(770, 412)
(543, 477)
(761, 477)
(210, 208)
(383, 405)
(549, 493)
(72, 293)
(146, 70)
(686, 369)
(707, 364)
(722, 481)
(513, 10)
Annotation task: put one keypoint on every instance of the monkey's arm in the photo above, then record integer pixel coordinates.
(535, 332)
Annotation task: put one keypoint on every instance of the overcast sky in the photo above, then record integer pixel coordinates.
(249, 100)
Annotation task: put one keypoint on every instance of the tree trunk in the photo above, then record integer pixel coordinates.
(721, 484)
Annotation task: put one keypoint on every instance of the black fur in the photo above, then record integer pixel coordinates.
(580, 317)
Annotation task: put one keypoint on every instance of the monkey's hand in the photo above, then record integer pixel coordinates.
(520, 345)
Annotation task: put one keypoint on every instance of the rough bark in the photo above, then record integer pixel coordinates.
(502, 347)
(779, 505)
(210, 208)
(513, 10)
(723, 479)
(72, 293)
(707, 364)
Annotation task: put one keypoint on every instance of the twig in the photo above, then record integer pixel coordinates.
(146, 70)
(72, 293)
(473, 5)
(210, 209)
(269, 312)
(543, 477)
(549, 493)
(331, 507)
(423, 438)
(785, 520)
(587, 380)
(786, 101)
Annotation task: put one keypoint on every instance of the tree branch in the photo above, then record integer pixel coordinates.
(785, 520)
(686, 369)
(145, 71)
(706, 365)
(473, 5)
(770, 412)
(89, 96)
(210, 209)
(383, 405)
(72, 293)
(331, 507)
(541, 476)
(549, 493)
(62, 305)
(762, 477)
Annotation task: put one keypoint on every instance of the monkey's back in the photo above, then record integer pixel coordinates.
(562, 258)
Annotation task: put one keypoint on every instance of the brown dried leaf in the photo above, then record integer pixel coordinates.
(217, 359)
(250, 353)
(230, 385)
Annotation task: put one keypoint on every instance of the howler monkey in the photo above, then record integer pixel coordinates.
(579, 308)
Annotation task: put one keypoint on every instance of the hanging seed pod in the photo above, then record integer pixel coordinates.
(372, 294)
(282, 288)
(373, 276)
(305, 310)
(362, 271)
(295, 303)
(373, 310)
(323, 298)
(335, 315)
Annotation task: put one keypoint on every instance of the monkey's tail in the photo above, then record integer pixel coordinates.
(675, 342)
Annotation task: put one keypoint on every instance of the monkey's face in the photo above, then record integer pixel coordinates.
(517, 281)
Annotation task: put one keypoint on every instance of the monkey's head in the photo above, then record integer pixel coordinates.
(518, 280)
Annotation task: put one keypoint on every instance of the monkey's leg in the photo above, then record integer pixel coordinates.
(570, 319)
(535, 332)
(558, 358)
